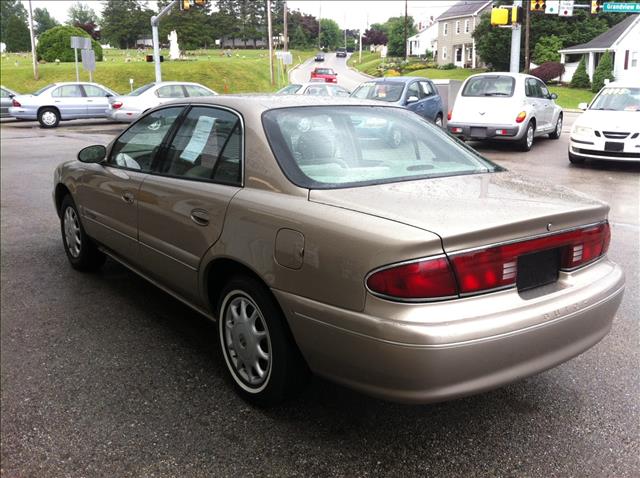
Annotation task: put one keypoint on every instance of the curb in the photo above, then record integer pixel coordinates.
(295, 68)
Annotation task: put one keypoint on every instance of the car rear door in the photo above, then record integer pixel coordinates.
(184, 201)
(70, 101)
(97, 101)
(108, 194)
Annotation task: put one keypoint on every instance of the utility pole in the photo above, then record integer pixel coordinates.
(286, 35)
(527, 27)
(33, 44)
(155, 21)
(270, 40)
(319, 18)
(406, 50)
(514, 66)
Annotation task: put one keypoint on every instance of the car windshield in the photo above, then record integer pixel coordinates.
(324, 71)
(489, 85)
(390, 92)
(142, 89)
(42, 90)
(289, 90)
(617, 99)
(323, 147)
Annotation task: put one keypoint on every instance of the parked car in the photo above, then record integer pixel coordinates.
(319, 56)
(416, 274)
(610, 126)
(6, 100)
(417, 94)
(314, 89)
(326, 74)
(128, 108)
(505, 107)
(62, 101)
(341, 53)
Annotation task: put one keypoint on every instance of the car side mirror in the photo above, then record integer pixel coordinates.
(412, 99)
(109, 95)
(583, 106)
(92, 154)
(553, 96)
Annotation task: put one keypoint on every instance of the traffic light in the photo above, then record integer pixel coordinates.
(596, 6)
(537, 6)
(185, 5)
(201, 3)
(505, 15)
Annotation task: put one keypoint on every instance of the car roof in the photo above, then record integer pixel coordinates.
(396, 79)
(623, 84)
(318, 83)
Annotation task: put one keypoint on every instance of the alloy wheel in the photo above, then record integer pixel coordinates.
(49, 118)
(72, 232)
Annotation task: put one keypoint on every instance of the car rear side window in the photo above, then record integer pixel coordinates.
(197, 91)
(5, 93)
(67, 91)
(94, 91)
(170, 91)
(489, 85)
(207, 146)
(137, 147)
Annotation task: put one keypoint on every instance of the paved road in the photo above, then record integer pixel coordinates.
(347, 77)
(104, 375)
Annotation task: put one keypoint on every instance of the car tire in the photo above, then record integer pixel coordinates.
(439, 122)
(558, 130)
(395, 137)
(48, 117)
(257, 346)
(573, 159)
(81, 251)
(526, 142)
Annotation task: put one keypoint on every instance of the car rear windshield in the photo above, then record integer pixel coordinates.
(326, 147)
(324, 71)
(42, 90)
(617, 99)
(141, 90)
(494, 85)
(390, 92)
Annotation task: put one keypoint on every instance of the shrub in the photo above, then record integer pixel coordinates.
(415, 66)
(448, 66)
(392, 73)
(55, 43)
(548, 71)
(603, 71)
(580, 78)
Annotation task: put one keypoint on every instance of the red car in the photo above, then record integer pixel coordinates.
(327, 74)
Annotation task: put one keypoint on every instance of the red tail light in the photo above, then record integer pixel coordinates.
(449, 116)
(497, 267)
(424, 279)
(116, 105)
(15, 103)
(521, 116)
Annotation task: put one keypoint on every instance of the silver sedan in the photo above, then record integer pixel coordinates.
(129, 108)
(62, 101)
(5, 102)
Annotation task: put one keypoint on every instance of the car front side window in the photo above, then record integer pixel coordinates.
(137, 147)
(207, 146)
(197, 91)
(413, 90)
(67, 91)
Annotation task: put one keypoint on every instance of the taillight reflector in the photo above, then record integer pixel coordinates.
(15, 103)
(521, 116)
(449, 116)
(424, 279)
(116, 105)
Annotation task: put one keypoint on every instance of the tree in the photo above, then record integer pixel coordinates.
(546, 49)
(124, 21)
(18, 38)
(80, 14)
(194, 26)
(8, 10)
(55, 44)
(493, 44)
(580, 79)
(604, 70)
(43, 21)
(374, 36)
(299, 39)
(396, 27)
(330, 34)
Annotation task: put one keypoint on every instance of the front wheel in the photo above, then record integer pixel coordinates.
(558, 130)
(258, 349)
(81, 251)
(526, 142)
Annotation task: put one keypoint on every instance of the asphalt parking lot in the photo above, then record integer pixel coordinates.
(105, 375)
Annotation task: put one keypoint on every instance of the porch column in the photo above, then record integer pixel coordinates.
(563, 58)
(473, 52)
(591, 65)
(463, 57)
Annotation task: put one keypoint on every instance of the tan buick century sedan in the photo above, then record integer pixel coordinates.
(412, 270)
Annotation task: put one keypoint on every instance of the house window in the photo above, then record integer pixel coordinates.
(634, 59)
(444, 53)
(457, 27)
(469, 53)
(466, 26)
(445, 28)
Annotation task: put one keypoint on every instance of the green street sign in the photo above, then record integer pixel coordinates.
(617, 7)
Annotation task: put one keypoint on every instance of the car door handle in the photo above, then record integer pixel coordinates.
(127, 197)
(200, 217)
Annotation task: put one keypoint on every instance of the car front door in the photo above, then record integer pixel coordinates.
(97, 101)
(184, 201)
(108, 195)
(70, 101)
(412, 98)
(547, 104)
(533, 93)
(430, 99)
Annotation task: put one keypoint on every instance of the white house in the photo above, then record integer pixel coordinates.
(425, 39)
(622, 41)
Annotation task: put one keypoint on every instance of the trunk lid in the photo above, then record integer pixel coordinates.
(472, 210)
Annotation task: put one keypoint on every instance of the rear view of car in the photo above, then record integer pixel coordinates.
(609, 129)
(507, 107)
(5, 101)
(326, 74)
(341, 53)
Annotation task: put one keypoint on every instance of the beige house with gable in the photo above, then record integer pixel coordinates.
(455, 29)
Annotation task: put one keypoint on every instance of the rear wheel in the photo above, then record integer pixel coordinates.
(258, 349)
(48, 117)
(575, 159)
(558, 131)
(526, 142)
(81, 251)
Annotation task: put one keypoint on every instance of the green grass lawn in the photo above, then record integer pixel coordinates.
(244, 71)
(571, 97)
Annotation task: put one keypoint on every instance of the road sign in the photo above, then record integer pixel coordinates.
(566, 8)
(83, 43)
(88, 60)
(621, 7)
(552, 7)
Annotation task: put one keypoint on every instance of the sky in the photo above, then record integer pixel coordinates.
(349, 14)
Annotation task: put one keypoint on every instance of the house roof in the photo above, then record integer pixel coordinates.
(607, 39)
(464, 9)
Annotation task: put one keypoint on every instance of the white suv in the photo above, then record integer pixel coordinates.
(505, 106)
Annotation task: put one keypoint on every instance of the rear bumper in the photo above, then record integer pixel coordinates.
(421, 353)
(23, 113)
(486, 131)
(124, 116)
